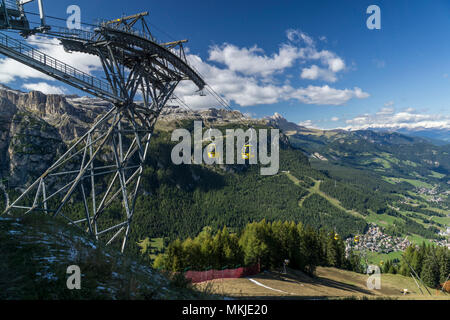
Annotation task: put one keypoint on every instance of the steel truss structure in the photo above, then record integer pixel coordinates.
(105, 165)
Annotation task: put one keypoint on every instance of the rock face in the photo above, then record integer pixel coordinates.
(33, 146)
(7, 112)
(35, 128)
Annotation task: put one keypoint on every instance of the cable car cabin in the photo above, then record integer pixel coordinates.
(336, 236)
(212, 154)
(12, 16)
(247, 152)
(356, 238)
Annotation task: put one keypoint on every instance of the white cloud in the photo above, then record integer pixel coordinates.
(408, 119)
(82, 61)
(44, 88)
(247, 76)
(314, 73)
(11, 70)
(249, 90)
(298, 36)
(252, 61)
(307, 123)
(301, 47)
(385, 111)
(326, 95)
(389, 104)
(332, 64)
(335, 119)
(328, 58)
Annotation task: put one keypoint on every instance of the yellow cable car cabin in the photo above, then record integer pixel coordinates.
(356, 238)
(247, 152)
(336, 236)
(212, 154)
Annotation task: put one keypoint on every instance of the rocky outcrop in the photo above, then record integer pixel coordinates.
(7, 112)
(35, 128)
(33, 147)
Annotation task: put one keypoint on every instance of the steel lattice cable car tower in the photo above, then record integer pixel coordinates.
(106, 164)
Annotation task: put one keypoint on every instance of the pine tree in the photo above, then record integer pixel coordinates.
(310, 249)
(332, 251)
(430, 271)
(443, 255)
(255, 243)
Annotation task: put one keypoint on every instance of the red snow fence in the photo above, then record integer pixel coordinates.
(200, 276)
(445, 286)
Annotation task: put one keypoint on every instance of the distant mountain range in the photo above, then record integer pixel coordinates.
(385, 153)
(437, 136)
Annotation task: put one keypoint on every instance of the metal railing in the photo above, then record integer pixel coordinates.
(42, 58)
(73, 33)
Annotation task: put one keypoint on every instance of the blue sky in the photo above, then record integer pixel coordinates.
(314, 62)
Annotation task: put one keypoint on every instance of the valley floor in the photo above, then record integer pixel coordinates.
(329, 283)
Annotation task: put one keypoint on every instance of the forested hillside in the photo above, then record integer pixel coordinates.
(333, 180)
(178, 201)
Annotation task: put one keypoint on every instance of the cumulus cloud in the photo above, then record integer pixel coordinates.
(332, 64)
(306, 123)
(44, 88)
(335, 119)
(408, 119)
(253, 61)
(301, 47)
(250, 90)
(314, 72)
(244, 76)
(11, 70)
(326, 95)
(249, 76)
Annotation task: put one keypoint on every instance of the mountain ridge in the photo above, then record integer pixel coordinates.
(352, 191)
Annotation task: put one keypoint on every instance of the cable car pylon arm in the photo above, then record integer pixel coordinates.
(59, 70)
(103, 167)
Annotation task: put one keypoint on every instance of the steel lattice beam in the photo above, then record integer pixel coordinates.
(114, 150)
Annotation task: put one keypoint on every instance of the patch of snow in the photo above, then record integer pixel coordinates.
(49, 259)
(50, 276)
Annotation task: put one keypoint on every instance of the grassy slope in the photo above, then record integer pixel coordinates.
(329, 283)
(35, 252)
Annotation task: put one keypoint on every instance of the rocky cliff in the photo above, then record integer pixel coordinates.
(35, 128)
